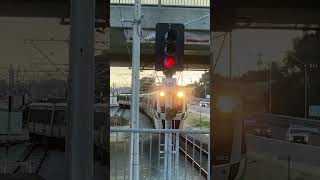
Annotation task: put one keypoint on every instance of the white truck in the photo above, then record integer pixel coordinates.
(298, 135)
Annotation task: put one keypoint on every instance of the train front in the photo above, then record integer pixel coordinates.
(172, 106)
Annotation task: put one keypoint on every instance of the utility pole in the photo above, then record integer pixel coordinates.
(305, 85)
(79, 139)
(10, 102)
(230, 68)
(135, 91)
(270, 88)
(305, 92)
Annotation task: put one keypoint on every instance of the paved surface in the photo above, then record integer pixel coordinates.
(280, 133)
(306, 154)
(197, 109)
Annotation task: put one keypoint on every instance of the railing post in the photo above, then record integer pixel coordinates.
(177, 154)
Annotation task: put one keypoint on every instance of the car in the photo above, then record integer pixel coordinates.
(263, 131)
(298, 135)
(204, 103)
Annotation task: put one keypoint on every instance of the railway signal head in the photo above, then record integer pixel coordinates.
(169, 47)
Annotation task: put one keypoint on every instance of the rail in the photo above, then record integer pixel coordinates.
(176, 3)
(189, 160)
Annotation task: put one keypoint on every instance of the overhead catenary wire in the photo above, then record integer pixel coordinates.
(219, 53)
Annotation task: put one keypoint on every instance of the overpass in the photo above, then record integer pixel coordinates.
(197, 32)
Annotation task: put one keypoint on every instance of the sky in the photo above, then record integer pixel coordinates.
(15, 50)
(246, 45)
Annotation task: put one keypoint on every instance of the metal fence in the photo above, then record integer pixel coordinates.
(153, 153)
(185, 3)
(8, 167)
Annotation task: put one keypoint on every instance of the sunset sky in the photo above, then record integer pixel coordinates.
(14, 50)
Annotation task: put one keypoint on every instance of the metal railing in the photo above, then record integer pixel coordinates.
(189, 157)
(296, 120)
(7, 167)
(183, 3)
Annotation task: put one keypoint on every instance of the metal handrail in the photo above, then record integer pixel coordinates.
(157, 131)
(293, 118)
(175, 3)
(168, 155)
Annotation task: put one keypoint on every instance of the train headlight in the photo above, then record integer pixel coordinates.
(162, 93)
(180, 94)
(225, 104)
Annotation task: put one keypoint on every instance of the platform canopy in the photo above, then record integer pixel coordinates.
(263, 14)
(51, 9)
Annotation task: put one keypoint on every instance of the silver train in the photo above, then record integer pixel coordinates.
(48, 119)
(153, 104)
(46, 122)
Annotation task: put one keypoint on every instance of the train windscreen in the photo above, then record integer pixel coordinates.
(59, 117)
(40, 116)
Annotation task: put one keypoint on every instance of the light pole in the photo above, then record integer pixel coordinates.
(270, 88)
(305, 84)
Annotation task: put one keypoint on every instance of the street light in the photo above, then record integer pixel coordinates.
(305, 83)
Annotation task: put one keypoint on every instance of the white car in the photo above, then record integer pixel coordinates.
(298, 135)
(204, 104)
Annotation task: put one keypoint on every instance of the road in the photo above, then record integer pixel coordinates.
(306, 154)
(278, 131)
(197, 109)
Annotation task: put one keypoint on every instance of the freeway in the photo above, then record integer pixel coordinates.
(279, 149)
(279, 126)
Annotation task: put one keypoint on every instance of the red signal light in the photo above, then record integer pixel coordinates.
(169, 62)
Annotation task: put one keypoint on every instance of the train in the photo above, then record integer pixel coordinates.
(154, 106)
(46, 122)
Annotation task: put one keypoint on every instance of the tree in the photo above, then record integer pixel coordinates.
(306, 49)
(147, 84)
(288, 94)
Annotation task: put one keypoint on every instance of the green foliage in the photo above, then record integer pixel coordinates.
(195, 121)
(288, 92)
(147, 84)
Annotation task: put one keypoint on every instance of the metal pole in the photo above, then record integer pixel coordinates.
(177, 155)
(205, 90)
(81, 97)
(10, 102)
(135, 83)
(230, 56)
(305, 92)
(168, 140)
(166, 150)
(289, 173)
(270, 88)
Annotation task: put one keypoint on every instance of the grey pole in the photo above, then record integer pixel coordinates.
(135, 92)
(230, 68)
(305, 85)
(205, 90)
(81, 96)
(305, 92)
(270, 88)
(10, 102)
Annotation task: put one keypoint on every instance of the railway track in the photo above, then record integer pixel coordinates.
(32, 159)
(195, 152)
